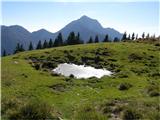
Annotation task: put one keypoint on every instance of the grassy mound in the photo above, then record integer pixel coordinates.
(27, 77)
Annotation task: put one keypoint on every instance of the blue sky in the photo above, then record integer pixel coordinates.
(122, 16)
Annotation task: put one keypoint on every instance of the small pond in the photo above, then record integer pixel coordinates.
(80, 71)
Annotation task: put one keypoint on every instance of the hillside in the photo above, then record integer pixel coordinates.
(132, 92)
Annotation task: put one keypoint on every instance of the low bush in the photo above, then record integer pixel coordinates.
(152, 90)
(124, 86)
(154, 74)
(8, 83)
(67, 79)
(113, 108)
(154, 115)
(34, 111)
(122, 74)
(139, 71)
(37, 66)
(54, 74)
(130, 114)
(70, 57)
(7, 104)
(113, 66)
(71, 76)
(59, 87)
(157, 44)
(154, 93)
(133, 57)
(88, 112)
(49, 65)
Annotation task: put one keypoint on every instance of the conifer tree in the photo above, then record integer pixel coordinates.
(45, 44)
(106, 38)
(129, 37)
(55, 42)
(50, 44)
(19, 48)
(30, 46)
(78, 39)
(143, 35)
(96, 39)
(116, 39)
(39, 45)
(90, 40)
(124, 37)
(71, 39)
(58, 40)
(147, 36)
(4, 52)
(133, 36)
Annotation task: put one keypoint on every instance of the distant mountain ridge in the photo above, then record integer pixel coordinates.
(42, 34)
(89, 27)
(11, 35)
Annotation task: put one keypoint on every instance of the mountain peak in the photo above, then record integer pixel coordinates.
(84, 17)
(42, 30)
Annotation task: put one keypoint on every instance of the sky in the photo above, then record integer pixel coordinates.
(121, 15)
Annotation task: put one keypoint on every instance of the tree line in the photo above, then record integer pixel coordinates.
(126, 37)
(74, 39)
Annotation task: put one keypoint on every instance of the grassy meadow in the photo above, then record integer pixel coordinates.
(31, 91)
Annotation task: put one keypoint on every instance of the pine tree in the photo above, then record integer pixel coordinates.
(106, 38)
(116, 39)
(30, 46)
(45, 44)
(55, 42)
(4, 52)
(133, 37)
(58, 40)
(90, 40)
(96, 39)
(50, 44)
(17, 48)
(78, 39)
(39, 45)
(124, 37)
(143, 35)
(71, 39)
(21, 48)
(129, 37)
(147, 36)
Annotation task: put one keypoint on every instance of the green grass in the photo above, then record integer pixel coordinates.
(133, 63)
